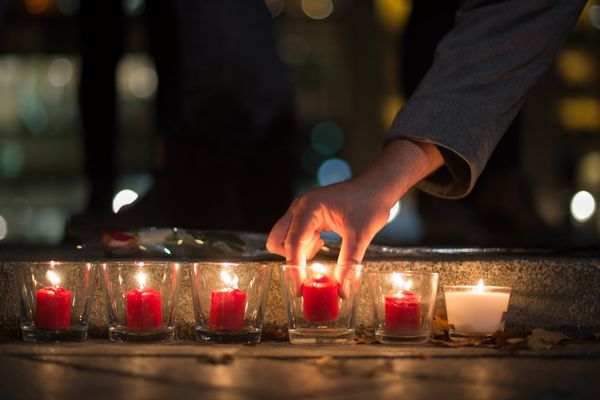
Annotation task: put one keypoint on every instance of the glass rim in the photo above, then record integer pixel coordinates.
(325, 263)
(415, 273)
(444, 287)
(48, 263)
(221, 264)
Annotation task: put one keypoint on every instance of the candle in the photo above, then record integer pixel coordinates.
(144, 306)
(53, 305)
(403, 309)
(227, 305)
(320, 296)
(476, 309)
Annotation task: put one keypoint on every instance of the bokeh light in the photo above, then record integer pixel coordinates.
(136, 76)
(142, 82)
(391, 105)
(3, 228)
(327, 138)
(60, 72)
(21, 210)
(317, 9)
(595, 16)
(583, 206)
(394, 212)
(275, 7)
(392, 14)
(12, 159)
(123, 198)
(588, 170)
(580, 114)
(332, 171)
(47, 225)
(576, 67)
(37, 6)
(133, 7)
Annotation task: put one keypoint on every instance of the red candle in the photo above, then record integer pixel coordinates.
(402, 312)
(53, 308)
(144, 306)
(320, 298)
(227, 307)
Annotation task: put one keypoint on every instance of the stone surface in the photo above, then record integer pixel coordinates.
(547, 292)
(99, 370)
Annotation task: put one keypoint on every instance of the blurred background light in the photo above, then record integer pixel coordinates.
(327, 138)
(583, 206)
(133, 7)
(312, 160)
(3, 228)
(588, 170)
(332, 171)
(275, 7)
(37, 6)
(21, 210)
(12, 159)
(136, 76)
(391, 105)
(580, 114)
(394, 211)
(317, 9)
(123, 198)
(60, 72)
(594, 14)
(392, 14)
(576, 67)
(142, 82)
(47, 225)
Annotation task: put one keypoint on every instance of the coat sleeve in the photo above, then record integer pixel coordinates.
(482, 70)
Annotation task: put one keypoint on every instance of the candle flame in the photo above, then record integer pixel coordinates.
(480, 288)
(319, 269)
(400, 283)
(230, 281)
(141, 277)
(53, 278)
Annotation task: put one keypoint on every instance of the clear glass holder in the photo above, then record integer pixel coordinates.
(475, 311)
(403, 305)
(229, 300)
(54, 299)
(141, 299)
(321, 301)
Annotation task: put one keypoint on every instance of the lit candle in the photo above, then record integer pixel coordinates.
(144, 306)
(476, 309)
(403, 309)
(320, 296)
(53, 305)
(227, 305)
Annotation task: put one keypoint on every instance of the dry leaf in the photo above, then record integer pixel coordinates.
(439, 324)
(541, 339)
(456, 342)
(514, 341)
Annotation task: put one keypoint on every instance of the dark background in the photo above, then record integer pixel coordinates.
(347, 63)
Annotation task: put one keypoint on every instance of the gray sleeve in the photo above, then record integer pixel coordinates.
(482, 70)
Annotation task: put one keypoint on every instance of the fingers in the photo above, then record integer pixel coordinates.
(353, 249)
(275, 242)
(302, 234)
(295, 276)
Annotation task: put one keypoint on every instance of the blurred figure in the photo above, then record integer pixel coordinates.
(224, 112)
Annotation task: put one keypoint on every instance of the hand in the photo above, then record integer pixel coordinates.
(357, 209)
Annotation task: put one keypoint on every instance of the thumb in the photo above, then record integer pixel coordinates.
(353, 249)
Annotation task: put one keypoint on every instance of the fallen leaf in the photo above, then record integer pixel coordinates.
(541, 339)
(514, 341)
(456, 342)
(439, 324)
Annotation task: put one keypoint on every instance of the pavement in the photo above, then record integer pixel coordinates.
(98, 370)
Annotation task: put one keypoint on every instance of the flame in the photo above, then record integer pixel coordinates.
(319, 269)
(400, 283)
(141, 277)
(53, 278)
(230, 281)
(480, 288)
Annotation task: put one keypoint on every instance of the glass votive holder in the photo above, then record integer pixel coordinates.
(229, 300)
(141, 300)
(54, 299)
(403, 305)
(476, 311)
(321, 300)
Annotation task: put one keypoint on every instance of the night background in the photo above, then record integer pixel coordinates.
(350, 66)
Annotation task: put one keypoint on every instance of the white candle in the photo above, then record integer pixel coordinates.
(476, 309)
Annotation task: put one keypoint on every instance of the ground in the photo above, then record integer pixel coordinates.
(99, 370)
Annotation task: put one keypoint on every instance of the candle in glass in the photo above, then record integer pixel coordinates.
(402, 309)
(227, 305)
(53, 305)
(320, 296)
(144, 306)
(474, 310)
